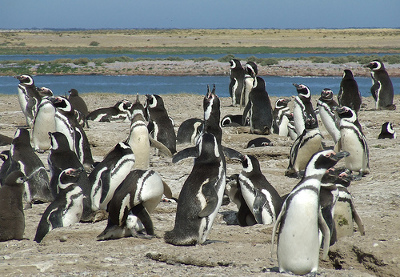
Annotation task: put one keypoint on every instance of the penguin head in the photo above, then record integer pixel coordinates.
(310, 123)
(387, 131)
(5, 155)
(69, 177)
(303, 91)
(336, 176)
(210, 103)
(346, 113)
(235, 64)
(375, 65)
(43, 91)
(250, 164)
(58, 141)
(281, 103)
(348, 74)
(259, 84)
(323, 160)
(208, 149)
(73, 92)
(251, 69)
(61, 103)
(25, 79)
(16, 177)
(123, 106)
(153, 101)
(326, 95)
(21, 137)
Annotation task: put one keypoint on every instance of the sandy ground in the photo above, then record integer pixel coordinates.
(231, 250)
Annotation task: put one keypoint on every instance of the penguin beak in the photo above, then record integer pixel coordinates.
(338, 156)
(296, 85)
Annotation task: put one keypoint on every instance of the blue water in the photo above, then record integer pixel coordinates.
(276, 86)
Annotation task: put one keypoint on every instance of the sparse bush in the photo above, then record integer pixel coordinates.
(80, 61)
(226, 58)
(94, 43)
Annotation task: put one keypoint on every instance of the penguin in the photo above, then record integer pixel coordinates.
(232, 120)
(109, 174)
(120, 111)
(160, 125)
(301, 218)
(259, 109)
(280, 121)
(201, 194)
(382, 87)
(44, 122)
(352, 140)
(77, 102)
(259, 142)
(349, 95)
(12, 218)
(261, 197)
(37, 185)
(327, 112)
(189, 130)
(387, 131)
(139, 139)
(28, 97)
(305, 145)
(329, 194)
(133, 201)
(236, 74)
(67, 207)
(291, 129)
(67, 124)
(302, 108)
(212, 114)
(244, 216)
(251, 72)
(61, 157)
(5, 140)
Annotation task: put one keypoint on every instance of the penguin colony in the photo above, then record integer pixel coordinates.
(123, 184)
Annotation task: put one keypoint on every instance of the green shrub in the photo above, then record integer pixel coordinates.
(94, 43)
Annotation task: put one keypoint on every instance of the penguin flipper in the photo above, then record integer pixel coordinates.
(160, 146)
(185, 153)
(141, 212)
(326, 233)
(167, 190)
(258, 205)
(211, 196)
(278, 219)
(358, 220)
(232, 153)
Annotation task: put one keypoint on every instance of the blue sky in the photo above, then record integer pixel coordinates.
(199, 14)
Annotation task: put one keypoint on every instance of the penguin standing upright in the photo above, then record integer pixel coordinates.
(129, 209)
(349, 95)
(212, 114)
(77, 102)
(327, 112)
(201, 194)
(160, 124)
(352, 140)
(259, 109)
(109, 174)
(28, 97)
(67, 207)
(305, 145)
(24, 158)
(236, 81)
(382, 87)
(387, 131)
(12, 218)
(280, 121)
(44, 122)
(301, 218)
(261, 197)
(302, 108)
(251, 72)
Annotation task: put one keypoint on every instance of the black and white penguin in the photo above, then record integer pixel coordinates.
(12, 218)
(28, 97)
(327, 112)
(259, 109)
(280, 121)
(305, 145)
(201, 194)
(301, 218)
(232, 120)
(349, 95)
(67, 207)
(212, 114)
(109, 174)
(189, 130)
(236, 83)
(37, 187)
(129, 209)
(302, 108)
(67, 123)
(44, 121)
(387, 131)
(259, 142)
(261, 197)
(352, 140)
(160, 125)
(61, 157)
(120, 111)
(382, 87)
(251, 72)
